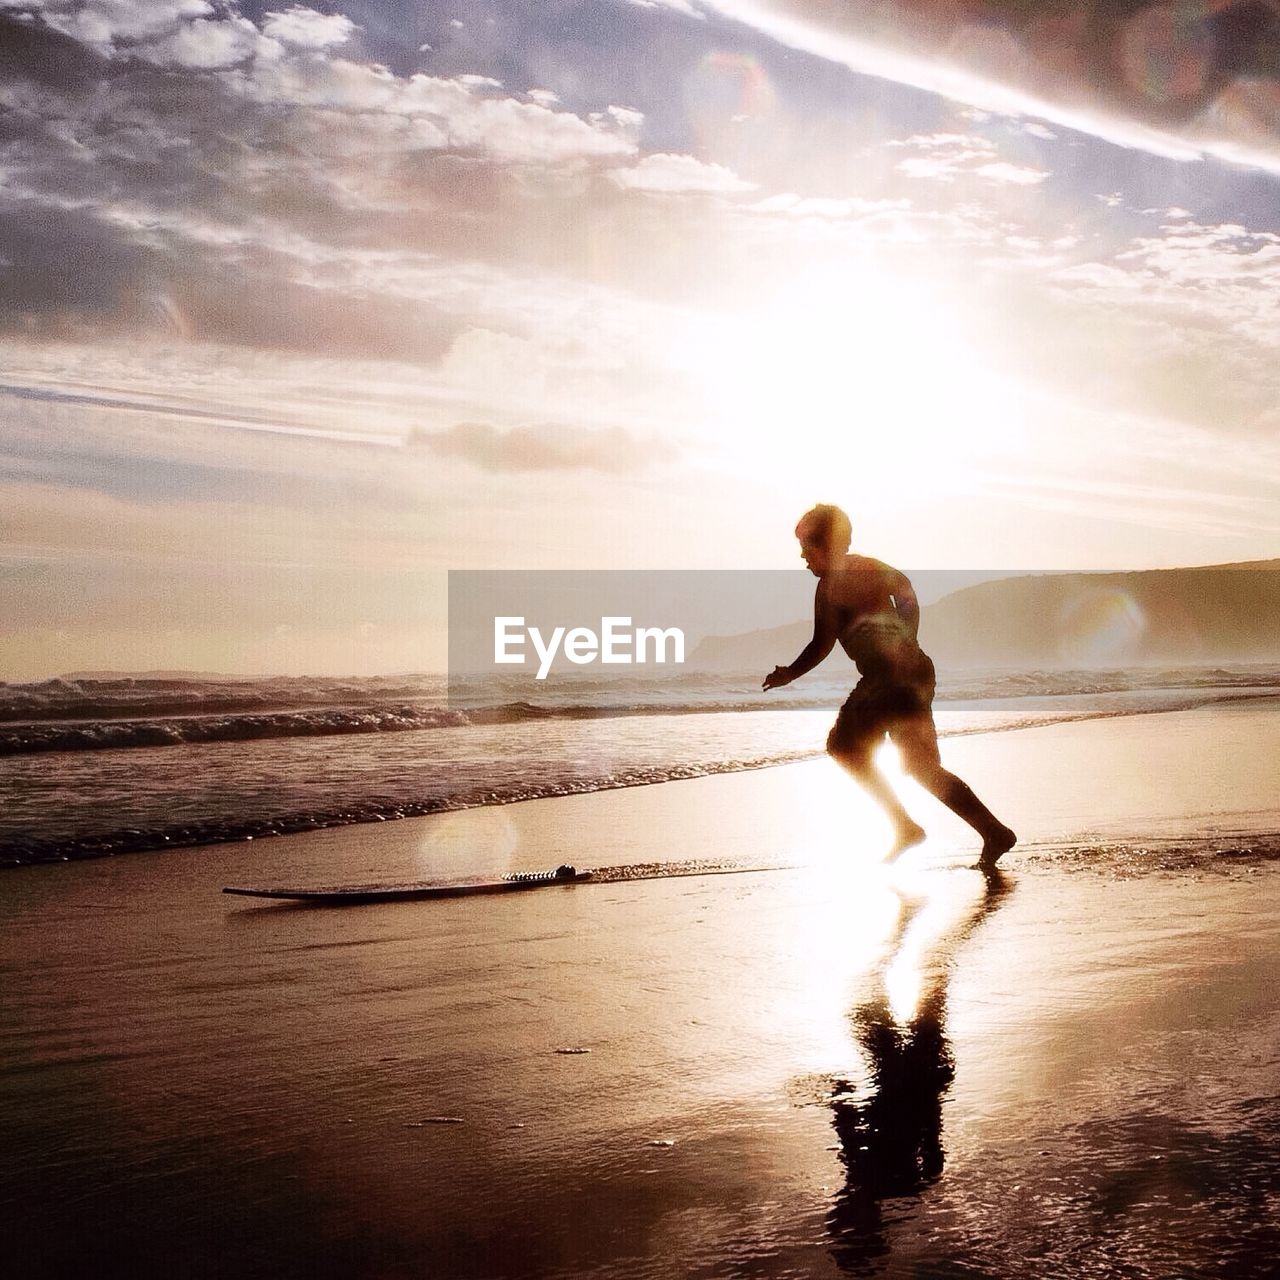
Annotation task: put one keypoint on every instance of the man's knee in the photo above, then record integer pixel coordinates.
(855, 756)
(924, 767)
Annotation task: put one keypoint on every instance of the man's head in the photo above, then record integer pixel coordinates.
(824, 532)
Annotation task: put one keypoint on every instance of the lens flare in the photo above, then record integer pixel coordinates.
(1103, 625)
(1251, 104)
(726, 89)
(1167, 53)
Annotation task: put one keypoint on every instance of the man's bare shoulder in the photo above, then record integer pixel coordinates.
(861, 584)
(868, 570)
(856, 572)
(866, 564)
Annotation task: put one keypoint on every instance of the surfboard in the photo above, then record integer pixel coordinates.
(518, 882)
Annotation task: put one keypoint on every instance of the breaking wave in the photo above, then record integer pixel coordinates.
(24, 852)
(98, 714)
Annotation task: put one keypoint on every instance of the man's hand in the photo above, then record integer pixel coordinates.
(777, 678)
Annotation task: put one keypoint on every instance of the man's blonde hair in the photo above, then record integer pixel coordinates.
(826, 525)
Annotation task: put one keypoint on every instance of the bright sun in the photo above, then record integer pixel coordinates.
(868, 370)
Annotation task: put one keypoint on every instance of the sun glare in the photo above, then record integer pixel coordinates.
(866, 368)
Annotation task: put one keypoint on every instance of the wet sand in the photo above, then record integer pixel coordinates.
(1069, 1069)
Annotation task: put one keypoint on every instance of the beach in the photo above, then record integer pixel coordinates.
(490, 485)
(832, 1067)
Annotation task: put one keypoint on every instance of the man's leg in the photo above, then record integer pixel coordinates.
(852, 742)
(917, 740)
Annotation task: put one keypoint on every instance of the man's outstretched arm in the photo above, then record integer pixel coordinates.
(824, 640)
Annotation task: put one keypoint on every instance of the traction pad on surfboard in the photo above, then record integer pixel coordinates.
(562, 872)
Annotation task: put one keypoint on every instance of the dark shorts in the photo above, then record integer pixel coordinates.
(902, 710)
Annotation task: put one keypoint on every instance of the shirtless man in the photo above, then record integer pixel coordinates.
(872, 611)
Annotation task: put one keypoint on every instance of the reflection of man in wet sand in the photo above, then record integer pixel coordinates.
(890, 1127)
(890, 1123)
(872, 611)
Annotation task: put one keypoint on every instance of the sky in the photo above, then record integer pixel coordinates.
(303, 307)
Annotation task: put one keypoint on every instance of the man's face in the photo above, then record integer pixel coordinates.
(815, 555)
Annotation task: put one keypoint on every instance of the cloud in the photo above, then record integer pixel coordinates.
(206, 44)
(159, 410)
(1176, 81)
(436, 113)
(666, 174)
(1099, 275)
(297, 69)
(1018, 175)
(1224, 272)
(944, 157)
(104, 23)
(278, 195)
(307, 29)
(1176, 323)
(542, 448)
(680, 6)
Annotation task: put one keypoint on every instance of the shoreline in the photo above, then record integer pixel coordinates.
(24, 852)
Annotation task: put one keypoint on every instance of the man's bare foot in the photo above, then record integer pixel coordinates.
(908, 837)
(998, 842)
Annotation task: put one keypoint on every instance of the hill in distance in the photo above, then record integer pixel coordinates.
(1211, 613)
(149, 675)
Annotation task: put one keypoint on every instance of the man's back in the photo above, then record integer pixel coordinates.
(873, 611)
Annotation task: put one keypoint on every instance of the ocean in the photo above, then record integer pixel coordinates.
(98, 766)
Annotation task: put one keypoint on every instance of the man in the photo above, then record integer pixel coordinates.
(872, 611)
